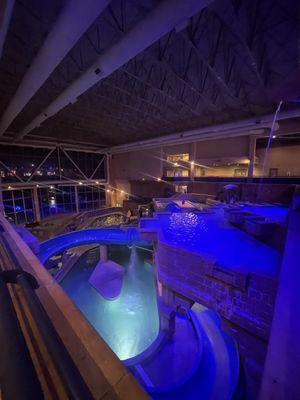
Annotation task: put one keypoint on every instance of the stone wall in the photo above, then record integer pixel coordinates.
(245, 302)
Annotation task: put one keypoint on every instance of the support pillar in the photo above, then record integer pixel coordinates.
(161, 163)
(192, 159)
(1, 201)
(36, 205)
(107, 197)
(103, 253)
(252, 151)
(280, 379)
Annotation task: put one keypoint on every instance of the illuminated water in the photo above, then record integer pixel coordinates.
(231, 247)
(130, 323)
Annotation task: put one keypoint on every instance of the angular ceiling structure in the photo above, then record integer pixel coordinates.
(222, 61)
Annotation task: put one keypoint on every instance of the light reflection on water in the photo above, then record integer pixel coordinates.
(185, 227)
(130, 323)
(211, 234)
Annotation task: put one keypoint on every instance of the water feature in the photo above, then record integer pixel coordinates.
(128, 324)
(229, 246)
(132, 268)
(184, 367)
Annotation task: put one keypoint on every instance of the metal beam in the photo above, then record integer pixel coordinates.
(98, 166)
(71, 24)
(162, 92)
(167, 15)
(10, 170)
(39, 166)
(250, 126)
(31, 142)
(74, 163)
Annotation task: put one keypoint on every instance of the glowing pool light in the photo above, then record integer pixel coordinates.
(128, 324)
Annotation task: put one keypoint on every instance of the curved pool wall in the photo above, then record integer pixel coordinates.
(120, 320)
(129, 323)
(56, 245)
(127, 315)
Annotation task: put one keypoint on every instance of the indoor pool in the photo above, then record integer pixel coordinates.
(211, 234)
(129, 324)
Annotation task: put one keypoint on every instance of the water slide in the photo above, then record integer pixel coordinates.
(215, 374)
(213, 371)
(60, 243)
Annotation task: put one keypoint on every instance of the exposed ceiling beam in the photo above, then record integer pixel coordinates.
(250, 126)
(161, 20)
(50, 144)
(74, 20)
(6, 10)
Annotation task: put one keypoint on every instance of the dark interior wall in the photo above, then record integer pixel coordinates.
(270, 193)
(151, 188)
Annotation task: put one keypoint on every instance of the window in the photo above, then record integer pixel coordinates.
(90, 197)
(273, 172)
(240, 172)
(181, 188)
(178, 157)
(178, 165)
(47, 201)
(65, 199)
(39, 164)
(18, 205)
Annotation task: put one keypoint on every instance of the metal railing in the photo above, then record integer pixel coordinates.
(18, 378)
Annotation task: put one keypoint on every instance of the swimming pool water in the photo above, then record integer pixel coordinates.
(130, 323)
(211, 234)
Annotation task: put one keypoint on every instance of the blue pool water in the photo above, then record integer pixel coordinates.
(130, 323)
(211, 234)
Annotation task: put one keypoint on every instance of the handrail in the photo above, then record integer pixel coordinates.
(69, 374)
(100, 368)
(18, 379)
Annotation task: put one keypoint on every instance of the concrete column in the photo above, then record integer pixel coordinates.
(108, 167)
(1, 200)
(192, 158)
(36, 205)
(161, 162)
(107, 197)
(252, 151)
(103, 253)
(76, 199)
(281, 373)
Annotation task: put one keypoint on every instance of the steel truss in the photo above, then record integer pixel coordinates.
(217, 67)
